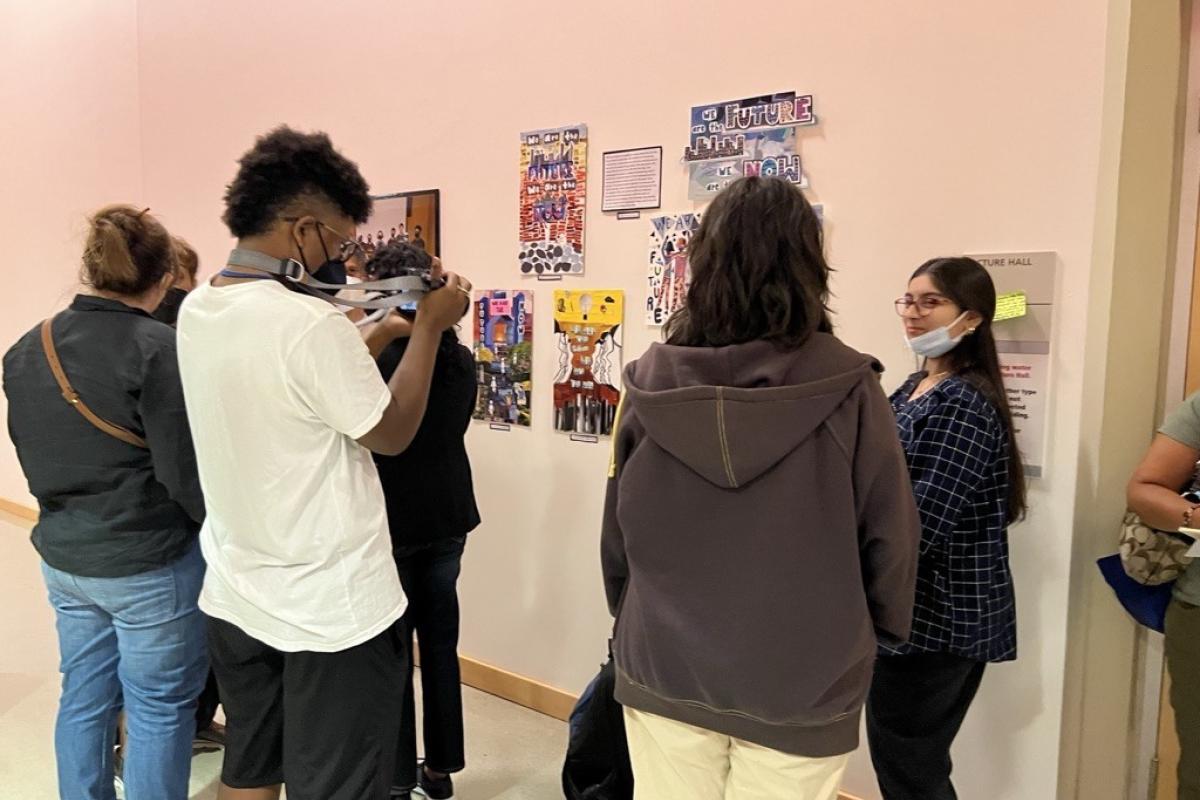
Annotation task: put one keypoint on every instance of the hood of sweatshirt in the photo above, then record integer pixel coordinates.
(732, 413)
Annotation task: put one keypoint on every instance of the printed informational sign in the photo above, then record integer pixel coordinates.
(1023, 342)
(1026, 379)
(632, 179)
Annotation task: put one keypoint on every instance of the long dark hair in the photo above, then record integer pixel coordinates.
(758, 270)
(968, 284)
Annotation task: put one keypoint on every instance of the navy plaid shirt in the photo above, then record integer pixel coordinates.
(957, 451)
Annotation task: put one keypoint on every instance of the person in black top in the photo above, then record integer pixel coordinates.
(431, 509)
(120, 508)
(187, 264)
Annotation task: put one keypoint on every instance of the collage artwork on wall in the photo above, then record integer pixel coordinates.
(587, 333)
(668, 274)
(504, 357)
(753, 136)
(553, 201)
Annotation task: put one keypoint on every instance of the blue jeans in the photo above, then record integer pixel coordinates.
(137, 641)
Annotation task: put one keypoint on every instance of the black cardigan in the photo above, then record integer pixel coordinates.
(428, 488)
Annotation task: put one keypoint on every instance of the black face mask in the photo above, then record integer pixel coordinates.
(168, 309)
(332, 271)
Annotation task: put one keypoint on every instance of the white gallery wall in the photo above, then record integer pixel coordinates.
(944, 128)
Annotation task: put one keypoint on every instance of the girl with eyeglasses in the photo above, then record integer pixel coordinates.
(956, 428)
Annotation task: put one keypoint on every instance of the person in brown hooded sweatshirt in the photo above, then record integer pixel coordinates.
(760, 534)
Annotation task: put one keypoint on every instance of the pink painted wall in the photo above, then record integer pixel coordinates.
(971, 126)
(72, 143)
(946, 127)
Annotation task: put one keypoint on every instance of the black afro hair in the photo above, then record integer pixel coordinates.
(285, 166)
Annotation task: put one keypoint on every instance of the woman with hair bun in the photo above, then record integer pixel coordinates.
(96, 411)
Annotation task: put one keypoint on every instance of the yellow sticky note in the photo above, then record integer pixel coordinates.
(1010, 306)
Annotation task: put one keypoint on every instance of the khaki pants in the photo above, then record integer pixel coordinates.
(1183, 662)
(674, 761)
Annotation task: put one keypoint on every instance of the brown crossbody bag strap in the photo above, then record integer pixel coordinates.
(71, 396)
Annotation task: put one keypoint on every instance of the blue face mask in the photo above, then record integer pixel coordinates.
(936, 343)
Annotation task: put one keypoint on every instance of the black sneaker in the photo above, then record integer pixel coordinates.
(435, 788)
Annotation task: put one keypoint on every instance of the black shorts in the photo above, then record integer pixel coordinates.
(324, 724)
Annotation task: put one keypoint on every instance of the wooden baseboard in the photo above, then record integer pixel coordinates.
(18, 510)
(486, 678)
(516, 688)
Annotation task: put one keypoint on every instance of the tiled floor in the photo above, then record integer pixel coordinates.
(513, 753)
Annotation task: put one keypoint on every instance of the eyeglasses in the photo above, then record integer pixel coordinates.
(926, 304)
(347, 249)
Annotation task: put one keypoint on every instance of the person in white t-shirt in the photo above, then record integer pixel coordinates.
(285, 405)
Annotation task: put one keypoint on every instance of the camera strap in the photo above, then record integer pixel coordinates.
(396, 292)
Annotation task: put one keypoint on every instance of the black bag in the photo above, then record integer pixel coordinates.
(597, 765)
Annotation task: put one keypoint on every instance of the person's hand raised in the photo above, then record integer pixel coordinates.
(442, 308)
